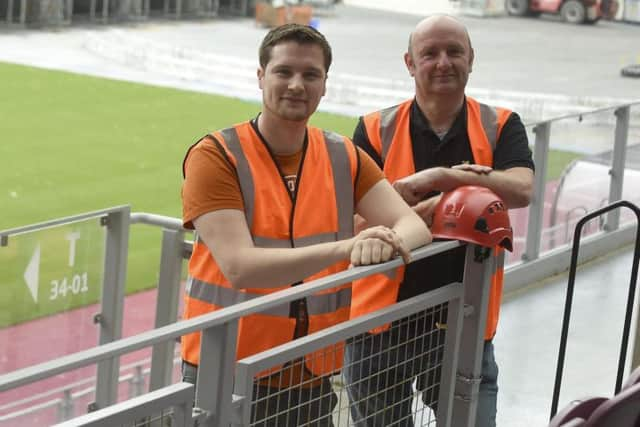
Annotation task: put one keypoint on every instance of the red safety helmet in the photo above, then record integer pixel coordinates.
(473, 214)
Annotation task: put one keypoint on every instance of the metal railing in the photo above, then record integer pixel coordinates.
(134, 376)
(169, 406)
(536, 264)
(215, 380)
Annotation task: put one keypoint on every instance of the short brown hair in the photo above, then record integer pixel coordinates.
(301, 34)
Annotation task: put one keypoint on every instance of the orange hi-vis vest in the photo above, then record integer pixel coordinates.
(321, 211)
(388, 132)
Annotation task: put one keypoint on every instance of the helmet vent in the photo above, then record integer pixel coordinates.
(481, 225)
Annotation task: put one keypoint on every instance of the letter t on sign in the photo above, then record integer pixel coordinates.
(72, 238)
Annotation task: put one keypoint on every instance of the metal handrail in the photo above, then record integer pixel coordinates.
(56, 400)
(159, 220)
(146, 339)
(583, 114)
(5, 234)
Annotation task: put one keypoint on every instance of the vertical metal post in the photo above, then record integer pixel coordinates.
(68, 11)
(171, 259)
(182, 415)
(243, 392)
(136, 383)
(618, 165)
(9, 12)
(110, 318)
(105, 11)
(65, 407)
(450, 362)
(214, 389)
(536, 208)
(23, 12)
(477, 281)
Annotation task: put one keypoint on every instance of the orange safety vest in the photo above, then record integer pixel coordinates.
(388, 132)
(321, 211)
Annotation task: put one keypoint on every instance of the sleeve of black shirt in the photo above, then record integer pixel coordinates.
(512, 149)
(361, 139)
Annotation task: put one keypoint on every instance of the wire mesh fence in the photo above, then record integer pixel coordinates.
(390, 377)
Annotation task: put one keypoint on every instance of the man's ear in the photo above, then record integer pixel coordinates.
(260, 74)
(408, 60)
(471, 57)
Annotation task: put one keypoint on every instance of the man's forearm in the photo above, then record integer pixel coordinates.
(514, 186)
(267, 268)
(413, 231)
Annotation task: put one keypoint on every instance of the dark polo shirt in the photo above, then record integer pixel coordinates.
(512, 150)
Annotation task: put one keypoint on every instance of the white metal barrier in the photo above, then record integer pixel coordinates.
(116, 221)
(215, 401)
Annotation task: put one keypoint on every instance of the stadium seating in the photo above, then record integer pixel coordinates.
(621, 410)
(633, 379)
(576, 411)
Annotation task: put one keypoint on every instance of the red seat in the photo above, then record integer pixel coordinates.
(622, 410)
(578, 410)
(633, 379)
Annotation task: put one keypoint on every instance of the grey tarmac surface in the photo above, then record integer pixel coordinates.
(522, 57)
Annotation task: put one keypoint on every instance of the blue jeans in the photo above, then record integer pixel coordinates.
(488, 396)
(379, 371)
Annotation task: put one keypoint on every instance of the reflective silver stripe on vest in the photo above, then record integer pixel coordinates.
(489, 119)
(247, 188)
(387, 129)
(342, 183)
(329, 303)
(268, 242)
(226, 297)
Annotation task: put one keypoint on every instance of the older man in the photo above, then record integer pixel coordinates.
(435, 142)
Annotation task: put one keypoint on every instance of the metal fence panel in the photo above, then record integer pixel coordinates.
(398, 368)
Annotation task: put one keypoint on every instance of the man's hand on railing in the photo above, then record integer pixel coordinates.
(375, 245)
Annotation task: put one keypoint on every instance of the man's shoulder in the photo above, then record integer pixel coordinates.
(501, 109)
(233, 127)
(390, 109)
(204, 143)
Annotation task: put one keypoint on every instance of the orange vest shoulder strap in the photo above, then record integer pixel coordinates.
(381, 126)
(229, 140)
(484, 124)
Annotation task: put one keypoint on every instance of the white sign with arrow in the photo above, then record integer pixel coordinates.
(32, 273)
(75, 284)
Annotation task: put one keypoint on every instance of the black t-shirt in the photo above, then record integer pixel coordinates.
(512, 150)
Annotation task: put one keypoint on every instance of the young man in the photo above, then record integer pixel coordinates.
(436, 142)
(272, 200)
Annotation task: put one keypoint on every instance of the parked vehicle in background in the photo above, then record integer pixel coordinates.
(572, 11)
